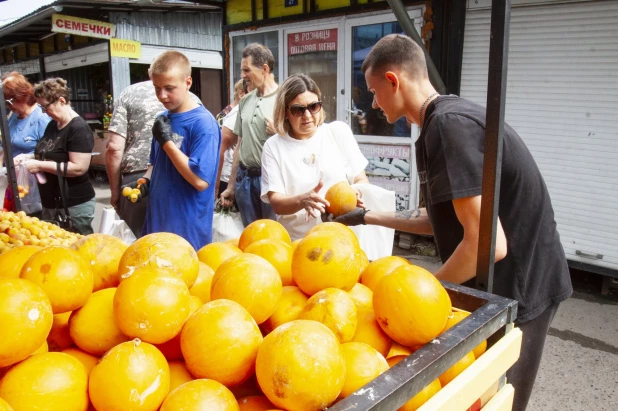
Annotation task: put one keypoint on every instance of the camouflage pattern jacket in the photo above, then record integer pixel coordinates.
(134, 114)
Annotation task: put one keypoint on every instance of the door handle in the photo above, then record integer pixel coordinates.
(589, 255)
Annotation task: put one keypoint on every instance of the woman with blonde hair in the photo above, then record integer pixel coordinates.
(67, 146)
(306, 156)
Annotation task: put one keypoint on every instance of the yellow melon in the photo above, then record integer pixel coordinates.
(152, 305)
(261, 230)
(103, 252)
(214, 254)
(325, 260)
(379, 268)
(411, 305)
(132, 375)
(25, 319)
(63, 274)
(200, 395)
(341, 197)
(51, 381)
(290, 306)
(93, 328)
(368, 331)
(161, 250)
(300, 366)
(363, 364)
(335, 309)
(252, 282)
(230, 336)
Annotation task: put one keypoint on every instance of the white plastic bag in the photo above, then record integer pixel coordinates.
(376, 241)
(226, 225)
(112, 224)
(28, 188)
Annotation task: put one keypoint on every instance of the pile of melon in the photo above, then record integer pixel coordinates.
(257, 323)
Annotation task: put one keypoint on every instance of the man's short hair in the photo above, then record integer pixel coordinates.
(260, 55)
(171, 60)
(396, 51)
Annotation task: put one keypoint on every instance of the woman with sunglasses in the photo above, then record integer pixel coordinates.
(28, 122)
(306, 157)
(68, 142)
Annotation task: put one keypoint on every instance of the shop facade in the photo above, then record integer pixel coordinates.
(102, 48)
(330, 48)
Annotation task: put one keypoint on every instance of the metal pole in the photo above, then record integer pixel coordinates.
(8, 150)
(404, 21)
(494, 137)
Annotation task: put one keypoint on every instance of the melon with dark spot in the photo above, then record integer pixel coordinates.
(300, 366)
(326, 260)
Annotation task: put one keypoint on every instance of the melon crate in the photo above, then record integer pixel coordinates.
(482, 384)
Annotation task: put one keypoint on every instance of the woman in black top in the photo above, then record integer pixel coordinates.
(67, 141)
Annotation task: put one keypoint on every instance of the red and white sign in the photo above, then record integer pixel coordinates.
(82, 27)
(315, 41)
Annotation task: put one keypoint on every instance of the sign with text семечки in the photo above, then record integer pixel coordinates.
(82, 27)
(125, 48)
(315, 41)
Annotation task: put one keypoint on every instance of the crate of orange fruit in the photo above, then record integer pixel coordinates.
(256, 323)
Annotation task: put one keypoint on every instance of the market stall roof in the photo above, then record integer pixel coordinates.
(35, 26)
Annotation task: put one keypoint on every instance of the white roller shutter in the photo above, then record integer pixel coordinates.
(197, 58)
(562, 98)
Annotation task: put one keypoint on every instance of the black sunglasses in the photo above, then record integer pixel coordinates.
(46, 106)
(297, 110)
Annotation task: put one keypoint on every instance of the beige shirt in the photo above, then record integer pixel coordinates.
(251, 126)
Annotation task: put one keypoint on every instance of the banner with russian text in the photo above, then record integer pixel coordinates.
(314, 41)
(82, 27)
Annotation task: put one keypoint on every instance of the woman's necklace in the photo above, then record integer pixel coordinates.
(421, 112)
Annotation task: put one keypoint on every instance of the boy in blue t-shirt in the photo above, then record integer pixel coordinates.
(184, 157)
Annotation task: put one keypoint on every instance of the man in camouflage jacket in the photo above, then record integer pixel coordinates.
(128, 148)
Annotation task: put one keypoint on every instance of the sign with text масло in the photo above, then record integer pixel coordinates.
(82, 27)
(125, 48)
(315, 41)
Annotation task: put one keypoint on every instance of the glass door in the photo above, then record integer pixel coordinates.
(314, 51)
(362, 34)
(387, 147)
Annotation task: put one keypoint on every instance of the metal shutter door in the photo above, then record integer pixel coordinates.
(562, 98)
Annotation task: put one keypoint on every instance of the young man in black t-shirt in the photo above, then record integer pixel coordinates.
(530, 262)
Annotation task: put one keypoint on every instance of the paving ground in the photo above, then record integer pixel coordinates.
(579, 370)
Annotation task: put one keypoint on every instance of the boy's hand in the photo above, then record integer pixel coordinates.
(162, 130)
(137, 191)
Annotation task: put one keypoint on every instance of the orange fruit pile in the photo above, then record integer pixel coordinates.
(257, 323)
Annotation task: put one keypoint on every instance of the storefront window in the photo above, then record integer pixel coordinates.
(314, 53)
(367, 120)
(269, 39)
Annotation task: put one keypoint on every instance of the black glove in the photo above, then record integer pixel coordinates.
(162, 130)
(354, 217)
(135, 192)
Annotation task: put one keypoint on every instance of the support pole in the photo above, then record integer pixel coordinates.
(8, 150)
(494, 138)
(404, 21)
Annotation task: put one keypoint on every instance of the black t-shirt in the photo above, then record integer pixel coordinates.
(449, 155)
(55, 145)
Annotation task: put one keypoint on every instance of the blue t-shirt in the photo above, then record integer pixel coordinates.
(174, 205)
(25, 133)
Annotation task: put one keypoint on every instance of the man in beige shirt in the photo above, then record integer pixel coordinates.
(253, 126)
